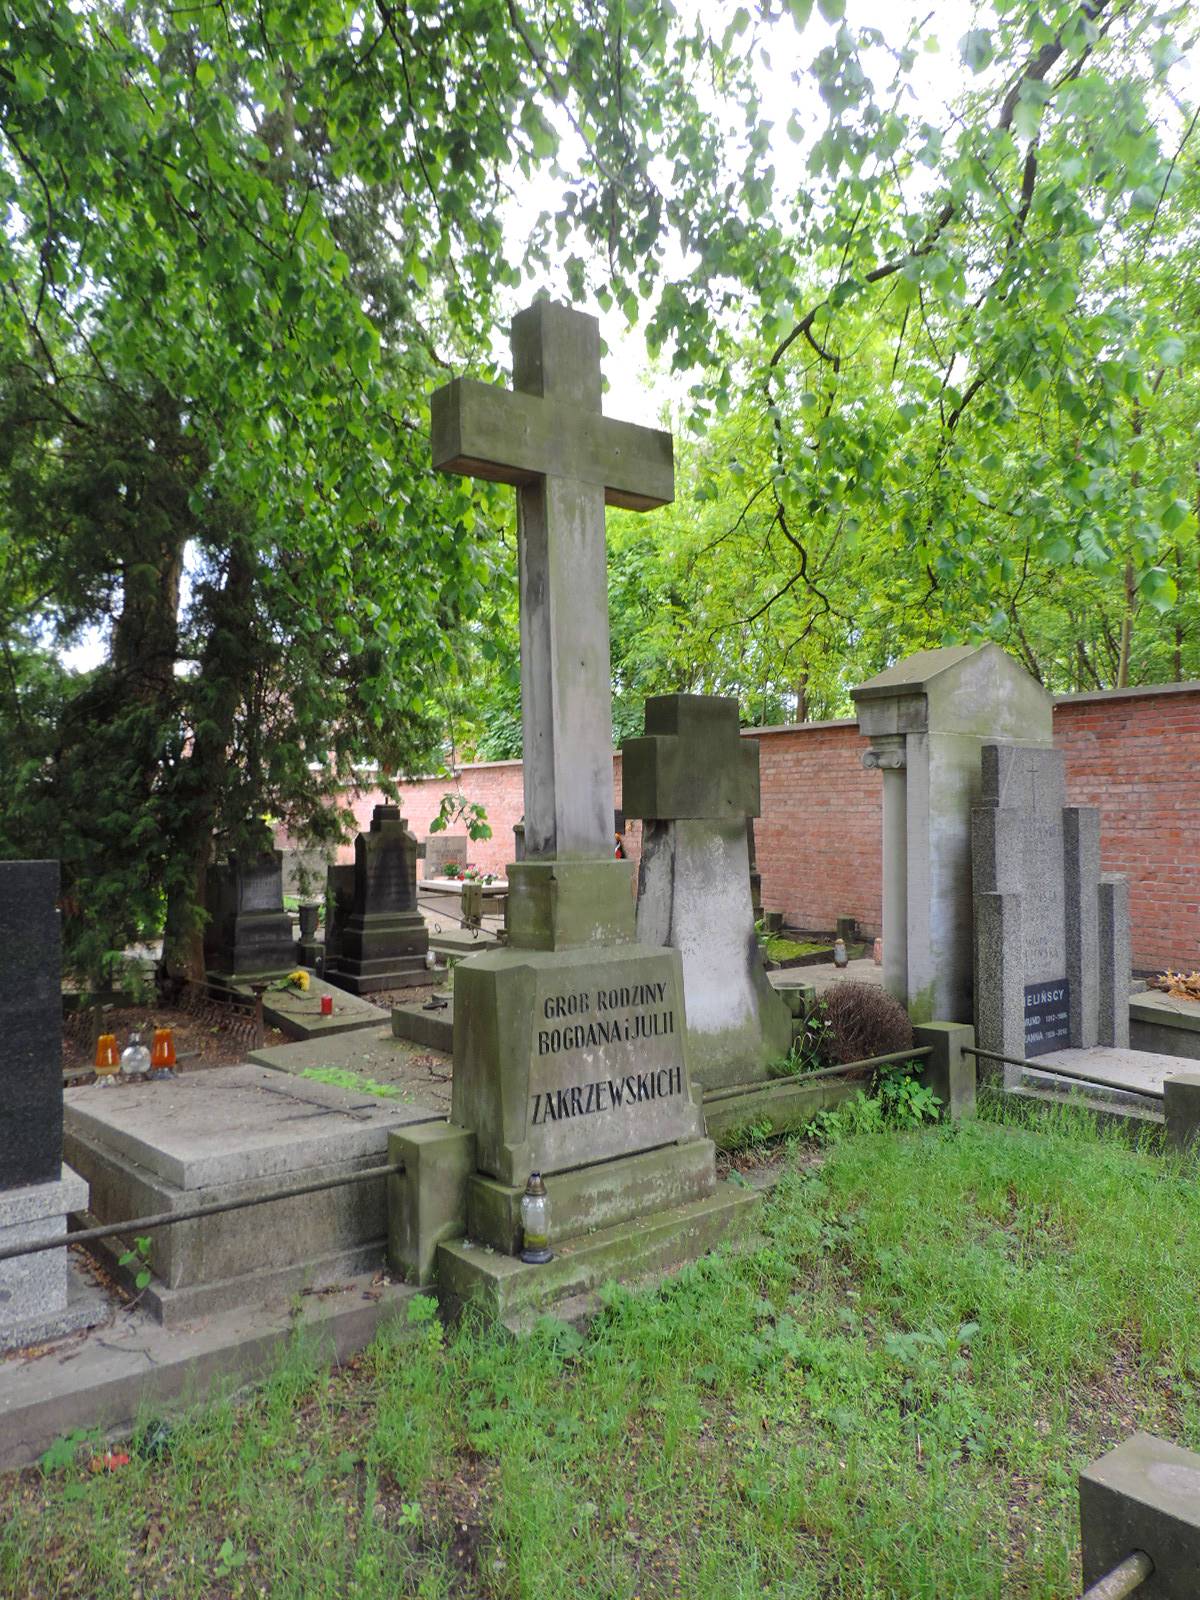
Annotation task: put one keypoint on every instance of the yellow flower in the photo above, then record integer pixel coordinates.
(298, 980)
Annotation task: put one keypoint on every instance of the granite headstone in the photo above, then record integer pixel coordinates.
(382, 938)
(249, 933)
(1046, 976)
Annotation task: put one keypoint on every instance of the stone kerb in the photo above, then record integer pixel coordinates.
(1051, 937)
(693, 780)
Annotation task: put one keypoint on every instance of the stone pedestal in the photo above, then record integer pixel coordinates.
(249, 934)
(928, 719)
(33, 1289)
(382, 938)
(694, 781)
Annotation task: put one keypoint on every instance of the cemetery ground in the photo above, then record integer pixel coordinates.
(891, 1395)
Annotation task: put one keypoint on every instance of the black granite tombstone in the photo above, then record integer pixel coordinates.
(381, 943)
(248, 931)
(339, 902)
(31, 1115)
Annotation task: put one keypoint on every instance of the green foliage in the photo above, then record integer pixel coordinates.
(457, 808)
(138, 1257)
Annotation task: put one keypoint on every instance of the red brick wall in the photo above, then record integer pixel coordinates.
(1135, 754)
(819, 838)
(497, 786)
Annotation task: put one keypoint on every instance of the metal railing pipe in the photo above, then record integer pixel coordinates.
(164, 1219)
(1123, 1580)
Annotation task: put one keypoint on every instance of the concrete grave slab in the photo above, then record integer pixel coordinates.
(298, 1012)
(419, 1073)
(211, 1128)
(1165, 1024)
(108, 1382)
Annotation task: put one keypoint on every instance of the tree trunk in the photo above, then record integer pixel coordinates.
(218, 694)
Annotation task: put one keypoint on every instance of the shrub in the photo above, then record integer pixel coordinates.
(863, 1021)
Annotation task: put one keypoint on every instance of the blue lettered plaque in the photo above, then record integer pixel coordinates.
(1047, 1016)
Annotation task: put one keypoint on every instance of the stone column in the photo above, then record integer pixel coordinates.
(886, 755)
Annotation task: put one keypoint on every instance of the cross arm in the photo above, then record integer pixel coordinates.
(517, 438)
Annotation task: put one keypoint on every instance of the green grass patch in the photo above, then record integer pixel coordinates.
(356, 1082)
(781, 949)
(891, 1397)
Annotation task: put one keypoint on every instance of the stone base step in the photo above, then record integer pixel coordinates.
(780, 1105)
(505, 1289)
(1136, 1118)
(433, 1028)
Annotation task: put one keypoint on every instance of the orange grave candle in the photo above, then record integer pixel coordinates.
(108, 1062)
(162, 1054)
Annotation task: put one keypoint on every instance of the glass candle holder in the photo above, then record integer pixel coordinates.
(162, 1054)
(135, 1058)
(535, 1222)
(108, 1062)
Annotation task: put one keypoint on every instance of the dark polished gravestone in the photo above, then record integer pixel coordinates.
(249, 934)
(382, 938)
(1052, 957)
(36, 1190)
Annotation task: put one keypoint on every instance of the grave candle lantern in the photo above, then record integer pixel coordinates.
(162, 1056)
(135, 1058)
(535, 1222)
(108, 1063)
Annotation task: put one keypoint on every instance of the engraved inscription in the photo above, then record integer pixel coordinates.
(1047, 1017)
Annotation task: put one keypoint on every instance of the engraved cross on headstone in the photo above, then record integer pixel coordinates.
(548, 437)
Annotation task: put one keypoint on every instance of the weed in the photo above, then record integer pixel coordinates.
(139, 1256)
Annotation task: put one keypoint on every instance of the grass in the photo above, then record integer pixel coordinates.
(356, 1082)
(892, 1396)
(780, 949)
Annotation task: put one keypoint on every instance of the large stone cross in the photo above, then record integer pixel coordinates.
(548, 437)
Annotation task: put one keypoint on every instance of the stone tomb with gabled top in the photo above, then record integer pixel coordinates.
(571, 1053)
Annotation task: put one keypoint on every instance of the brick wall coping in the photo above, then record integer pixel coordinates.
(1139, 691)
(800, 727)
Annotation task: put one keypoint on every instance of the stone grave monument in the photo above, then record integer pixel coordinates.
(381, 935)
(571, 1049)
(36, 1190)
(928, 718)
(1052, 951)
(339, 899)
(248, 934)
(443, 848)
(693, 780)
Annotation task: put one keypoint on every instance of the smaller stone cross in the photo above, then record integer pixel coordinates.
(548, 437)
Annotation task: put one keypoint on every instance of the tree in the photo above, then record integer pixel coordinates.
(242, 245)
